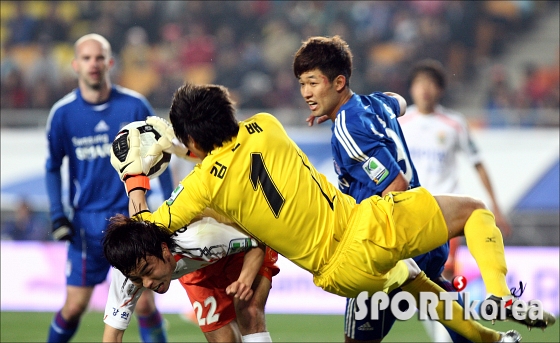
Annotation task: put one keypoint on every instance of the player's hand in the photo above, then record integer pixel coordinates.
(62, 230)
(125, 154)
(311, 119)
(165, 129)
(240, 290)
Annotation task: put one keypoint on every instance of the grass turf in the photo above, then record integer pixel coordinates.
(33, 327)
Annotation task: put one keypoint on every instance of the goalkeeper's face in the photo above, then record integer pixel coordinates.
(154, 273)
(92, 64)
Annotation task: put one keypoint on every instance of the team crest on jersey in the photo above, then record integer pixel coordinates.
(375, 170)
(174, 195)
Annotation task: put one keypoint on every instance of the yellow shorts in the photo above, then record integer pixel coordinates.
(381, 232)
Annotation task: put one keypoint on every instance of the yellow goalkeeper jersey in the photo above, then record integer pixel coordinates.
(264, 182)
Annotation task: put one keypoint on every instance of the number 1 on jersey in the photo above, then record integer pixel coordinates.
(261, 176)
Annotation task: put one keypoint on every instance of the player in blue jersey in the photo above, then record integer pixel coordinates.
(369, 151)
(81, 127)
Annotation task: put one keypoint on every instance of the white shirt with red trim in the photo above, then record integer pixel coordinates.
(434, 141)
(199, 245)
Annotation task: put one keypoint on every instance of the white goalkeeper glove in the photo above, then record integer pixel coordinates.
(129, 164)
(165, 129)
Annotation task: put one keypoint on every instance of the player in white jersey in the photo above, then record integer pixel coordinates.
(435, 136)
(205, 243)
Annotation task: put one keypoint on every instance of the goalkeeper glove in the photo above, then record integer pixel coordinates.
(131, 167)
(62, 229)
(165, 129)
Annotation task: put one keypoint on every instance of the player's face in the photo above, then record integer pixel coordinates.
(425, 93)
(320, 94)
(92, 64)
(154, 273)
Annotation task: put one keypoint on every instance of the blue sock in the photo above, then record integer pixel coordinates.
(61, 330)
(151, 328)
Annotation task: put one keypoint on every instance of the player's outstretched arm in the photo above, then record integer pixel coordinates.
(252, 262)
(137, 201)
(112, 335)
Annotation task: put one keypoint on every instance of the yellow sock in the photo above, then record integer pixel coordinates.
(469, 329)
(485, 244)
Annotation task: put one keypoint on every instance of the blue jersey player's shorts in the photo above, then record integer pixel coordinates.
(370, 330)
(86, 265)
(366, 329)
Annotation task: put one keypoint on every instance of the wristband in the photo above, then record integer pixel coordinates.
(137, 181)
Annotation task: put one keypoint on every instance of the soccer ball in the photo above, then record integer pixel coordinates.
(148, 137)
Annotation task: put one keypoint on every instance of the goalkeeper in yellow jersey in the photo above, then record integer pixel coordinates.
(253, 174)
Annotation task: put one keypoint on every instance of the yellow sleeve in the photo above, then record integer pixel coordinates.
(187, 201)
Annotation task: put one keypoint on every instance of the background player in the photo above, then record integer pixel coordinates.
(81, 127)
(436, 135)
(204, 243)
(243, 176)
(369, 151)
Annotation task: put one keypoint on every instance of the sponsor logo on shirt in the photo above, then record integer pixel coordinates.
(92, 147)
(174, 195)
(375, 170)
(101, 126)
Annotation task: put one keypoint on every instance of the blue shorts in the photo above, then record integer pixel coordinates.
(366, 329)
(86, 266)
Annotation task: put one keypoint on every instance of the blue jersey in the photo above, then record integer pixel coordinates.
(84, 133)
(369, 151)
(368, 146)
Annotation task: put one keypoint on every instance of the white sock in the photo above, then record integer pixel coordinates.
(257, 337)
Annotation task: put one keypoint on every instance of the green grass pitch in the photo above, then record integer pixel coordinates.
(33, 326)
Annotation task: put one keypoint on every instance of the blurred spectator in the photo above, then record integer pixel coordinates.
(237, 42)
(167, 65)
(26, 225)
(462, 19)
(146, 14)
(43, 77)
(138, 70)
(8, 64)
(278, 45)
(500, 95)
(22, 27)
(198, 54)
(13, 93)
(53, 25)
(541, 85)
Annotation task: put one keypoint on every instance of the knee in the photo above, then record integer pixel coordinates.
(146, 304)
(476, 204)
(73, 311)
(251, 318)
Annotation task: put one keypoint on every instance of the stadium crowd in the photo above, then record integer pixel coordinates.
(248, 45)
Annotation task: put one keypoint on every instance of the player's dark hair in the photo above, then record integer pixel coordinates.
(127, 242)
(433, 68)
(205, 113)
(331, 55)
